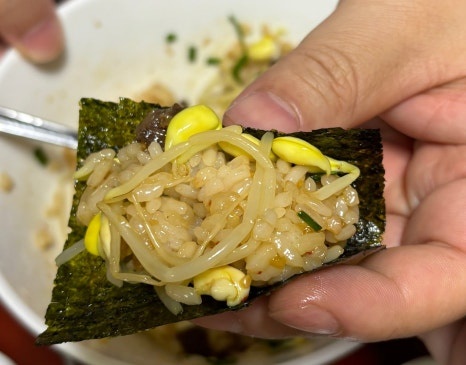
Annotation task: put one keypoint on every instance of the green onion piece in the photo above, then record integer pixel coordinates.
(244, 58)
(239, 65)
(316, 177)
(212, 61)
(192, 54)
(171, 38)
(239, 31)
(41, 156)
(309, 221)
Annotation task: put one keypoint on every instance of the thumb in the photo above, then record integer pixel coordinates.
(360, 61)
(32, 27)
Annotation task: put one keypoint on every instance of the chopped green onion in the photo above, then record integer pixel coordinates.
(316, 177)
(213, 61)
(309, 221)
(171, 38)
(41, 156)
(239, 65)
(244, 59)
(239, 31)
(192, 54)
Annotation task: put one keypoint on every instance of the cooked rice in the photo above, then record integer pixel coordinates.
(175, 217)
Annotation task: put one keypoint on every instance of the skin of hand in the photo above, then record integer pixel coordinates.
(32, 27)
(402, 66)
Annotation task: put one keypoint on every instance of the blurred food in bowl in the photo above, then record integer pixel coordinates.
(253, 51)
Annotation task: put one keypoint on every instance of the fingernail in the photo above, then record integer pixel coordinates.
(263, 110)
(43, 43)
(309, 318)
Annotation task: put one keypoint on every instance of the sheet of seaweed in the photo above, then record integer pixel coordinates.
(85, 305)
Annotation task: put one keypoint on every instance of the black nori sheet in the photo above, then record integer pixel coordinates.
(85, 305)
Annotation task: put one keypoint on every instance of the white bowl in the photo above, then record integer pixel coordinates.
(114, 48)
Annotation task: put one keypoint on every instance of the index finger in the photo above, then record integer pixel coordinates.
(32, 26)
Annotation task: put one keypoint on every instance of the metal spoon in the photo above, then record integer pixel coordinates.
(29, 126)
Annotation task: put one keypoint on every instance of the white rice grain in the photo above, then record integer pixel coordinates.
(346, 232)
(191, 208)
(333, 253)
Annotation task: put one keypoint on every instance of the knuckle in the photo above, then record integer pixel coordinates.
(331, 75)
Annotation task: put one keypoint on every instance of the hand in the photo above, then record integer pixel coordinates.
(32, 27)
(401, 64)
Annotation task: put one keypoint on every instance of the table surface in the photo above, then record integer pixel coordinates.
(18, 344)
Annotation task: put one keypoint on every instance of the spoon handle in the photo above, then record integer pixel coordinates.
(29, 126)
